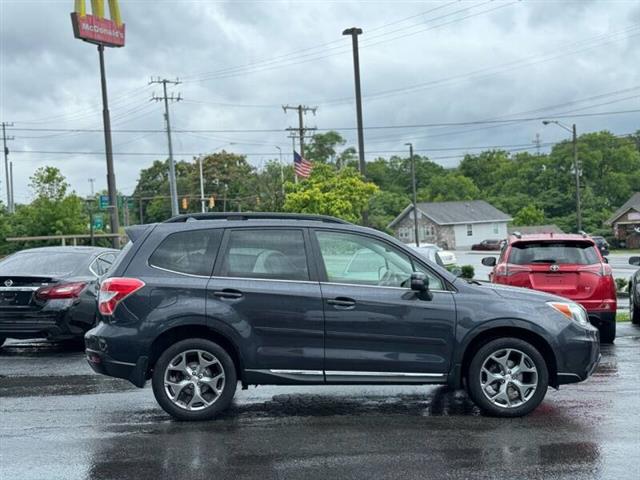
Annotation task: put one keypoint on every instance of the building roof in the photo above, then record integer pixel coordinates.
(532, 229)
(633, 202)
(454, 213)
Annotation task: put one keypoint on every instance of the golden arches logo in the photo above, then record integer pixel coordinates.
(94, 27)
(97, 9)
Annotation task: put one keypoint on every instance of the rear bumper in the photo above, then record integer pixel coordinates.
(101, 363)
(599, 318)
(53, 326)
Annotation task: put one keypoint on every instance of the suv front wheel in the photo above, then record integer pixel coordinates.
(194, 379)
(507, 377)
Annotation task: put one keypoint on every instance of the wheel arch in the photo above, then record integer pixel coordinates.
(185, 331)
(482, 338)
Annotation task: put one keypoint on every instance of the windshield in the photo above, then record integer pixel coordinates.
(41, 264)
(570, 253)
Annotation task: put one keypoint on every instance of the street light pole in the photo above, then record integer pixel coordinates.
(354, 32)
(576, 166)
(413, 191)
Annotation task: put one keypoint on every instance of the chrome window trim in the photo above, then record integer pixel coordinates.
(222, 277)
(379, 286)
(193, 275)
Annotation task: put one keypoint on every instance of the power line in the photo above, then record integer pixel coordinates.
(376, 127)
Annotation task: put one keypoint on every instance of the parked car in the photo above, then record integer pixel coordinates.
(634, 292)
(602, 244)
(51, 292)
(430, 252)
(204, 301)
(493, 244)
(567, 265)
(447, 257)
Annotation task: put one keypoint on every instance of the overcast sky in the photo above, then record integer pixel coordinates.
(422, 62)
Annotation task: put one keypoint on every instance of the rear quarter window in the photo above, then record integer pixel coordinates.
(576, 253)
(191, 252)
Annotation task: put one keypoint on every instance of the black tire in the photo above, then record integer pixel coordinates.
(2, 340)
(474, 382)
(634, 307)
(607, 332)
(224, 363)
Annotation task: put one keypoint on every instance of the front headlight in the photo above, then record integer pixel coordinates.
(572, 311)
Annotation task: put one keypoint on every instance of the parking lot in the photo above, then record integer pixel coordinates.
(61, 421)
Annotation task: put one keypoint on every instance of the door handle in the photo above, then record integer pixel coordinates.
(342, 302)
(228, 293)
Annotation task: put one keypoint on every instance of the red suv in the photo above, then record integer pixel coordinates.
(570, 266)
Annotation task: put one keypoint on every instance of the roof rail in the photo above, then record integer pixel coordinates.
(583, 233)
(517, 234)
(189, 217)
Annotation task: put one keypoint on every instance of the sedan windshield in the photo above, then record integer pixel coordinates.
(41, 264)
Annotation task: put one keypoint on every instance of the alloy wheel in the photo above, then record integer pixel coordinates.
(509, 378)
(194, 380)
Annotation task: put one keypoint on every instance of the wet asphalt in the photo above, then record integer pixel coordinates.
(60, 421)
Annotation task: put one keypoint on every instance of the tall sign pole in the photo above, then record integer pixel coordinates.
(104, 32)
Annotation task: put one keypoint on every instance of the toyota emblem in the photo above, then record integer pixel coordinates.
(8, 282)
(554, 268)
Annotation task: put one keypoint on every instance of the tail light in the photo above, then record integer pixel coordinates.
(114, 290)
(508, 269)
(61, 291)
(601, 269)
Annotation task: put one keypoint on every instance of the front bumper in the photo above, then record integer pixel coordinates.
(580, 357)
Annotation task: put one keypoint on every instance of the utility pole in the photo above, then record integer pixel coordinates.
(302, 110)
(576, 165)
(413, 190)
(6, 165)
(354, 32)
(13, 203)
(108, 148)
(537, 143)
(202, 200)
(173, 189)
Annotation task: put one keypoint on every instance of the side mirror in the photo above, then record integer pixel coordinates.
(605, 259)
(489, 261)
(634, 261)
(419, 282)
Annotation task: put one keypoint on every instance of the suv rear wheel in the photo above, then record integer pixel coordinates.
(507, 377)
(194, 379)
(634, 308)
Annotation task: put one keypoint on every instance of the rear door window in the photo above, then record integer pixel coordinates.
(567, 253)
(192, 252)
(277, 254)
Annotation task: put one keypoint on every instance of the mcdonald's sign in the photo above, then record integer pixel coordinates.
(94, 28)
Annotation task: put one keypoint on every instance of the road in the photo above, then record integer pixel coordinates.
(61, 421)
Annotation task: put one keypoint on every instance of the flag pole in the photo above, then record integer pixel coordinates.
(293, 144)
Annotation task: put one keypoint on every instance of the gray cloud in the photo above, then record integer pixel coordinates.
(488, 65)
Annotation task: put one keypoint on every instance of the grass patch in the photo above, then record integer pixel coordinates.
(622, 317)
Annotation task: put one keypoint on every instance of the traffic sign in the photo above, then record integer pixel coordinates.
(104, 202)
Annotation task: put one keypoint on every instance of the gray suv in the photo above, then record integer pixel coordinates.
(202, 302)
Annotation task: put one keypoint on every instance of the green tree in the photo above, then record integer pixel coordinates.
(384, 207)
(341, 193)
(529, 215)
(449, 187)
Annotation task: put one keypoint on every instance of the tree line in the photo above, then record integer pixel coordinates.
(533, 188)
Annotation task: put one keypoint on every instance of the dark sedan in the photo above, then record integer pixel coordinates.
(634, 292)
(493, 244)
(51, 292)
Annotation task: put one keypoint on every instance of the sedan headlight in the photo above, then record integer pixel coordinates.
(572, 311)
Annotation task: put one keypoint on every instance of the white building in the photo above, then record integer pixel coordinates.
(452, 225)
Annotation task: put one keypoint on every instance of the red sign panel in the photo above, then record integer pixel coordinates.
(101, 31)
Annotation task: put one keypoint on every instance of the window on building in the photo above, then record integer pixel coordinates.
(469, 230)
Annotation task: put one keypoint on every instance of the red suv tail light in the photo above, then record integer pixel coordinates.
(61, 291)
(508, 269)
(114, 290)
(602, 269)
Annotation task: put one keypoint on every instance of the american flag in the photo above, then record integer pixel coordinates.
(301, 165)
